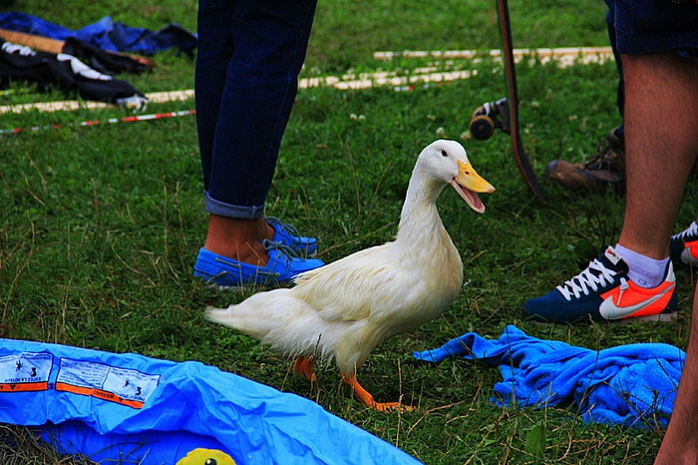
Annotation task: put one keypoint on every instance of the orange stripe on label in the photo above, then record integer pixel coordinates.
(24, 387)
(98, 393)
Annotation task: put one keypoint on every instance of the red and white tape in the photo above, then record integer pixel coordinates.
(125, 119)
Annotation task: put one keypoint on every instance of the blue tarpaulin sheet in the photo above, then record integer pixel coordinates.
(150, 411)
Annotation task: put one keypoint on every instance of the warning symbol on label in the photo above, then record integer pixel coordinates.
(28, 371)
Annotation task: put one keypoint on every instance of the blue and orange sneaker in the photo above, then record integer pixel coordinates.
(603, 292)
(683, 247)
(225, 272)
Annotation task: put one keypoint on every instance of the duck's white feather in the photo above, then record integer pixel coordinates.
(344, 309)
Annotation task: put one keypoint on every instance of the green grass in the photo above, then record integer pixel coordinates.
(99, 226)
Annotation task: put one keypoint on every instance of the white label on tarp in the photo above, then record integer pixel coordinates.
(121, 385)
(28, 371)
(131, 384)
(82, 374)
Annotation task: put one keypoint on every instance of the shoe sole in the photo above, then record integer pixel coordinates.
(253, 287)
(238, 287)
(211, 283)
(660, 317)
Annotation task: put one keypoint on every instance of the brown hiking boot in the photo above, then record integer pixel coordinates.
(602, 170)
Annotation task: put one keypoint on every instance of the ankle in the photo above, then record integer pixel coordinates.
(269, 231)
(237, 239)
(643, 270)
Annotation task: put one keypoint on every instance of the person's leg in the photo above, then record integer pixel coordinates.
(227, 236)
(270, 38)
(680, 444)
(250, 55)
(661, 137)
(676, 82)
(247, 77)
(214, 52)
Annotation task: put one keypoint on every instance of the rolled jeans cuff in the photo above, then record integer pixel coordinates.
(216, 207)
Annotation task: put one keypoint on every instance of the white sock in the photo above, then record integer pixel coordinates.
(643, 271)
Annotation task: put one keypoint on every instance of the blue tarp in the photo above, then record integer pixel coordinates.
(149, 411)
(106, 34)
(630, 385)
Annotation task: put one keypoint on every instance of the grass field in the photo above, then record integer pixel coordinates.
(100, 226)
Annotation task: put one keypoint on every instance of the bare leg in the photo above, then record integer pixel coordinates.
(239, 239)
(661, 142)
(661, 123)
(680, 444)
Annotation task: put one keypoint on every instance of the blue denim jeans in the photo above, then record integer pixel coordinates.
(650, 26)
(250, 53)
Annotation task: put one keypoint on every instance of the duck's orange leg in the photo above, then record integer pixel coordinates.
(366, 397)
(305, 366)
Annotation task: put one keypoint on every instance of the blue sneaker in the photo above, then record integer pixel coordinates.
(287, 234)
(683, 247)
(603, 292)
(225, 272)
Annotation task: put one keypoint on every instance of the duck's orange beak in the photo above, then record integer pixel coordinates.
(468, 184)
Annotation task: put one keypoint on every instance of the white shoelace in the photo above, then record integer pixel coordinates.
(581, 283)
(691, 231)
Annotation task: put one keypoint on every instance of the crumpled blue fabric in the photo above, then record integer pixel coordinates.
(630, 385)
(106, 34)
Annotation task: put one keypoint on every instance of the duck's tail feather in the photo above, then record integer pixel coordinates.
(278, 320)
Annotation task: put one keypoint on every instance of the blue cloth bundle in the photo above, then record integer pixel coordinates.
(629, 385)
(106, 34)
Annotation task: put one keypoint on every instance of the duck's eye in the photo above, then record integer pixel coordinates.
(211, 462)
(444, 153)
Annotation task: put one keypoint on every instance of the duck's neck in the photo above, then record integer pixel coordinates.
(419, 218)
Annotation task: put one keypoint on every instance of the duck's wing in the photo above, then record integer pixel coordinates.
(350, 288)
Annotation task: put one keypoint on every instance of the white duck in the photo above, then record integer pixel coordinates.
(346, 308)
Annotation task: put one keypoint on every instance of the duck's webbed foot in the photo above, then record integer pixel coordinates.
(364, 396)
